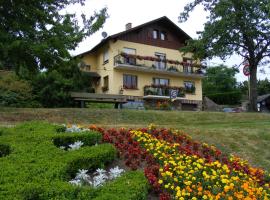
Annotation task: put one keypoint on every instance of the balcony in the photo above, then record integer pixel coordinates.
(148, 64)
(163, 91)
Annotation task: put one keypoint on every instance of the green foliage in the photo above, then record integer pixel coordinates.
(220, 85)
(88, 138)
(59, 128)
(117, 190)
(38, 35)
(15, 92)
(226, 98)
(53, 87)
(234, 27)
(263, 87)
(84, 159)
(4, 150)
(36, 165)
(36, 169)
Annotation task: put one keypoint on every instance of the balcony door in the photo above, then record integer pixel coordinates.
(130, 60)
(161, 63)
(188, 65)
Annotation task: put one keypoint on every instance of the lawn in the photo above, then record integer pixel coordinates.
(244, 134)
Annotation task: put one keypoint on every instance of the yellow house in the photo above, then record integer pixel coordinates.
(144, 63)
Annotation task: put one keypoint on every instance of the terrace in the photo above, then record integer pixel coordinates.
(150, 64)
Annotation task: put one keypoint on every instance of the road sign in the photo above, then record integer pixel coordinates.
(246, 70)
(173, 94)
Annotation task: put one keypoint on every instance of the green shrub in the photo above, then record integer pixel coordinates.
(88, 138)
(91, 160)
(4, 150)
(1, 132)
(15, 92)
(131, 186)
(59, 128)
(227, 98)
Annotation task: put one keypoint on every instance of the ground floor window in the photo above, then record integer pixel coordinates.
(130, 81)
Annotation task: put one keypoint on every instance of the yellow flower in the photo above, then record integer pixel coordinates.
(204, 197)
(160, 181)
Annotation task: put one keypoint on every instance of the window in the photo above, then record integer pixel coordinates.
(155, 34)
(161, 81)
(189, 87)
(130, 60)
(161, 63)
(105, 83)
(106, 56)
(187, 65)
(130, 81)
(163, 35)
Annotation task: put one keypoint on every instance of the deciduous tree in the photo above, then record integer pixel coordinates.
(234, 26)
(38, 34)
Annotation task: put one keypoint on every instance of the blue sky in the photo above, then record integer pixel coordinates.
(141, 11)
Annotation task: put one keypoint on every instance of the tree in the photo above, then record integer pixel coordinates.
(35, 35)
(15, 92)
(262, 85)
(221, 86)
(52, 88)
(234, 26)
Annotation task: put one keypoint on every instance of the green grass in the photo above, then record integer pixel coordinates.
(33, 167)
(244, 134)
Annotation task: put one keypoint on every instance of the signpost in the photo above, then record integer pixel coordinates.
(173, 94)
(246, 71)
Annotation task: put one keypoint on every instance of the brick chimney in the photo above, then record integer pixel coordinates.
(128, 26)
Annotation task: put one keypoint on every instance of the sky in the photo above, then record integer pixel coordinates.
(138, 12)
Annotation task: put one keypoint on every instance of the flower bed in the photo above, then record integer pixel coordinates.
(178, 167)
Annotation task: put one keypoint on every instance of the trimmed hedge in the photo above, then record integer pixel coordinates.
(91, 160)
(88, 138)
(132, 186)
(37, 169)
(227, 98)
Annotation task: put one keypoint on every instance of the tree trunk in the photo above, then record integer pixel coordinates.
(253, 89)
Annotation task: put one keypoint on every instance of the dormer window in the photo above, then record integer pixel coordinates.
(163, 35)
(155, 34)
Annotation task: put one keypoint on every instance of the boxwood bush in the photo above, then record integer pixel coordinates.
(88, 138)
(37, 169)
